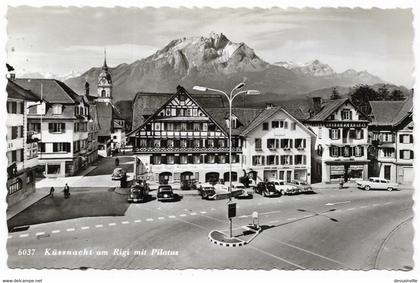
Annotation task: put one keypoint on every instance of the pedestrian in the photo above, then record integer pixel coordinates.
(52, 192)
(66, 191)
(117, 161)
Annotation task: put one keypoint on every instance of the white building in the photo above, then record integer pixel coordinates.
(277, 146)
(340, 148)
(391, 135)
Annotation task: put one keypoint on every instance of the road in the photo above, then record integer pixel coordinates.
(332, 229)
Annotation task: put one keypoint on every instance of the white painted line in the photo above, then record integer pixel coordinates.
(137, 221)
(159, 208)
(363, 206)
(39, 233)
(70, 229)
(309, 215)
(375, 204)
(291, 219)
(185, 209)
(55, 231)
(125, 222)
(351, 208)
(161, 218)
(182, 215)
(149, 219)
(23, 235)
(99, 226)
(85, 227)
(112, 224)
(203, 212)
(9, 237)
(243, 216)
(172, 216)
(212, 208)
(389, 202)
(193, 213)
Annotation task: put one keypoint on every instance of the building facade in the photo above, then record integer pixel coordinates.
(22, 153)
(277, 146)
(391, 136)
(341, 143)
(60, 123)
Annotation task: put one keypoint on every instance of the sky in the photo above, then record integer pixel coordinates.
(60, 40)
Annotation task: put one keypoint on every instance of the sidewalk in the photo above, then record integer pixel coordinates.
(349, 185)
(39, 194)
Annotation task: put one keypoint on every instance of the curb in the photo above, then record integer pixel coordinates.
(220, 243)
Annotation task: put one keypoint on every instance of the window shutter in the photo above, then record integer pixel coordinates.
(190, 159)
(401, 138)
(330, 132)
(54, 147)
(262, 160)
(304, 159)
(291, 159)
(340, 151)
(277, 143)
(63, 127)
(331, 151)
(411, 138)
(351, 115)
(277, 160)
(338, 134)
(176, 159)
(411, 154)
(401, 154)
(151, 159)
(362, 151)
(291, 143)
(50, 127)
(342, 115)
(362, 133)
(304, 143)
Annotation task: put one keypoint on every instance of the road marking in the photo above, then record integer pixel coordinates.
(70, 229)
(203, 212)
(351, 208)
(112, 224)
(39, 233)
(161, 218)
(23, 235)
(340, 202)
(185, 209)
(291, 219)
(389, 202)
(212, 208)
(137, 220)
(363, 206)
(85, 227)
(172, 216)
(193, 213)
(182, 215)
(55, 231)
(125, 222)
(277, 257)
(149, 219)
(99, 226)
(243, 216)
(159, 208)
(375, 204)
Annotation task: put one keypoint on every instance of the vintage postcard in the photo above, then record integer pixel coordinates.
(182, 137)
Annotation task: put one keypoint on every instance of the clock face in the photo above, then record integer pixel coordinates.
(103, 81)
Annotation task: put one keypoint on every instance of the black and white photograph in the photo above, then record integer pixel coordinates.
(272, 138)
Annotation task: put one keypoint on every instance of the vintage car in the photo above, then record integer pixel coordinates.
(139, 192)
(165, 193)
(118, 174)
(207, 191)
(239, 186)
(267, 189)
(302, 186)
(377, 183)
(284, 188)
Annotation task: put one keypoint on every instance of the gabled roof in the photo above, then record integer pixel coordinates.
(53, 91)
(390, 113)
(17, 92)
(104, 111)
(244, 117)
(266, 114)
(332, 106)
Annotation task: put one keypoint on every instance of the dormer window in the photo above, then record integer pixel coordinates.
(234, 122)
(57, 109)
(346, 114)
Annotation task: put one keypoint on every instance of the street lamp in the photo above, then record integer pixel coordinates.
(230, 97)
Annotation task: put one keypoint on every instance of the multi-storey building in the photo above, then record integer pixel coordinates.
(22, 155)
(60, 122)
(277, 146)
(181, 140)
(341, 143)
(391, 136)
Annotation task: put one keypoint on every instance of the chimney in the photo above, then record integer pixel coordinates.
(317, 104)
(87, 88)
(12, 76)
(269, 105)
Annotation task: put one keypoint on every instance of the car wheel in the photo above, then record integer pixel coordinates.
(367, 188)
(390, 189)
(282, 193)
(265, 194)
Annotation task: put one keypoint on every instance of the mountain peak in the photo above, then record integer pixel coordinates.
(314, 68)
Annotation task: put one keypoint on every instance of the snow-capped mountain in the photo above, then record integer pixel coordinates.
(216, 62)
(47, 75)
(314, 68)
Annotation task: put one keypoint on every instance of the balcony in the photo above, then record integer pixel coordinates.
(186, 149)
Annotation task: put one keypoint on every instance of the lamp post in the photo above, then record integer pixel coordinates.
(230, 97)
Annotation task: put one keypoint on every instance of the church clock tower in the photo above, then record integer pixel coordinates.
(104, 84)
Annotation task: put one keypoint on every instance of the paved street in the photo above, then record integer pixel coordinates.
(365, 230)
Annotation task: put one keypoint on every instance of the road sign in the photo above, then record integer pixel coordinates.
(228, 195)
(231, 210)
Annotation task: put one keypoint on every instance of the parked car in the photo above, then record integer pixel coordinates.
(239, 186)
(377, 183)
(118, 174)
(267, 189)
(165, 193)
(284, 188)
(139, 192)
(207, 191)
(302, 186)
(188, 185)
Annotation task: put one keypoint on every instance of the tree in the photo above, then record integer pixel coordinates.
(335, 95)
(383, 93)
(396, 94)
(361, 97)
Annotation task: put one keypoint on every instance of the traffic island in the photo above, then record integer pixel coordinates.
(248, 233)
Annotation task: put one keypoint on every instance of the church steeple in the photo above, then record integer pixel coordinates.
(104, 83)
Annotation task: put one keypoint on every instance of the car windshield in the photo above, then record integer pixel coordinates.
(208, 188)
(165, 189)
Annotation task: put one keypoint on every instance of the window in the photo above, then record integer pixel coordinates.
(222, 143)
(272, 143)
(286, 159)
(293, 126)
(183, 126)
(183, 159)
(210, 143)
(197, 143)
(286, 143)
(170, 143)
(300, 143)
(387, 137)
(334, 151)
(180, 112)
(57, 109)
(170, 159)
(156, 143)
(205, 127)
(265, 126)
(358, 151)
(143, 143)
(359, 134)
(346, 151)
(197, 127)
(300, 159)
(222, 159)
(168, 112)
(274, 124)
(61, 147)
(320, 132)
(157, 159)
(388, 152)
(183, 143)
(211, 158)
(257, 144)
(286, 125)
(319, 150)
(406, 154)
(346, 114)
(257, 160)
(197, 159)
(53, 168)
(271, 160)
(334, 134)
(406, 138)
(56, 127)
(103, 93)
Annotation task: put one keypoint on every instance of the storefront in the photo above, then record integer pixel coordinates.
(347, 170)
